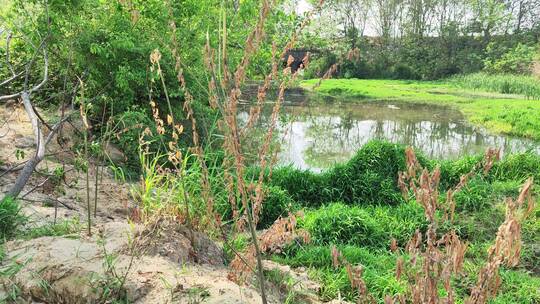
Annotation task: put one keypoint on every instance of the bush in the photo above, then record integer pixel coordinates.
(517, 60)
(10, 218)
(130, 125)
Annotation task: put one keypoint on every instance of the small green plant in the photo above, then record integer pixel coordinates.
(7, 272)
(64, 228)
(10, 218)
(111, 284)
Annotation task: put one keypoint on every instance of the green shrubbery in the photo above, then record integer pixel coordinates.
(10, 218)
(363, 224)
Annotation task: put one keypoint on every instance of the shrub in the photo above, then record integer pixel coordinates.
(130, 125)
(517, 60)
(10, 217)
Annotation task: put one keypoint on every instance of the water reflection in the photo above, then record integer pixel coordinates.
(318, 135)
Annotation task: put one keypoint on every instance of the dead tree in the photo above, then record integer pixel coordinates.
(25, 94)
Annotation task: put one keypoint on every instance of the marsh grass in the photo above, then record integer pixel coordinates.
(527, 86)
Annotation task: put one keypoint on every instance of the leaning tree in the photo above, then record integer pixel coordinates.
(26, 89)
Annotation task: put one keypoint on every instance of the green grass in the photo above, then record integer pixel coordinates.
(527, 86)
(63, 228)
(364, 220)
(379, 267)
(10, 218)
(499, 113)
(368, 226)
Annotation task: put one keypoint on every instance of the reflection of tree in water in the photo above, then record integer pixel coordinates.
(318, 136)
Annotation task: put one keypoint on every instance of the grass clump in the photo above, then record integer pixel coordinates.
(10, 218)
(476, 195)
(370, 226)
(62, 228)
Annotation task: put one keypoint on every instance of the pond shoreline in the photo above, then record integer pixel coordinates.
(507, 114)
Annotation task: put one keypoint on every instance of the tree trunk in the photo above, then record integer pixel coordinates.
(32, 163)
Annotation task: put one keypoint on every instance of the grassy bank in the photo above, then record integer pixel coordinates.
(477, 97)
(360, 218)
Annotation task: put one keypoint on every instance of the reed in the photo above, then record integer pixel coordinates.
(527, 86)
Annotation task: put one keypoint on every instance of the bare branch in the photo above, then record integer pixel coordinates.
(8, 62)
(3, 83)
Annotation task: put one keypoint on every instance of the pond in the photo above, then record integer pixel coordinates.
(316, 135)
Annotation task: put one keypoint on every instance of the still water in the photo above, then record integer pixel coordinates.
(317, 135)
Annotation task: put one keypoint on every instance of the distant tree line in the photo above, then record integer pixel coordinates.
(426, 39)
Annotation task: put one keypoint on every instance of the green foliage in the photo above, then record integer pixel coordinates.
(130, 125)
(370, 226)
(517, 60)
(66, 227)
(517, 167)
(518, 287)
(303, 186)
(10, 218)
(276, 203)
(238, 244)
(530, 258)
(370, 177)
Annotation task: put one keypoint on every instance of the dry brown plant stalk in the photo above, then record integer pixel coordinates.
(354, 273)
(442, 258)
(272, 240)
